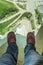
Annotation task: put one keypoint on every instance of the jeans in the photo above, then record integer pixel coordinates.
(11, 56)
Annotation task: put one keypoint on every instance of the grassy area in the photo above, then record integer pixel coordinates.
(21, 6)
(3, 26)
(39, 16)
(7, 8)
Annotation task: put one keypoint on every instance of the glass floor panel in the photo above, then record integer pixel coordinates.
(21, 19)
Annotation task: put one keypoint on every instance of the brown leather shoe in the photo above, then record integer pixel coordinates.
(11, 37)
(31, 38)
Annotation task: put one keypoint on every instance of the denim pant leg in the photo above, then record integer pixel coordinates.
(11, 55)
(13, 50)
(31, 56)
(28, 53)
(29, 47)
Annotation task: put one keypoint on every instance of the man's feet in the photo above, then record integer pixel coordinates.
(31, 38)
(11, 37)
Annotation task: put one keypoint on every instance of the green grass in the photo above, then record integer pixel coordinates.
(21, 6)
(3, 26)
(39, 16)
(6, 8)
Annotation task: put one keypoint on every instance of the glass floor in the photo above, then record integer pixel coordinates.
(21, 19)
